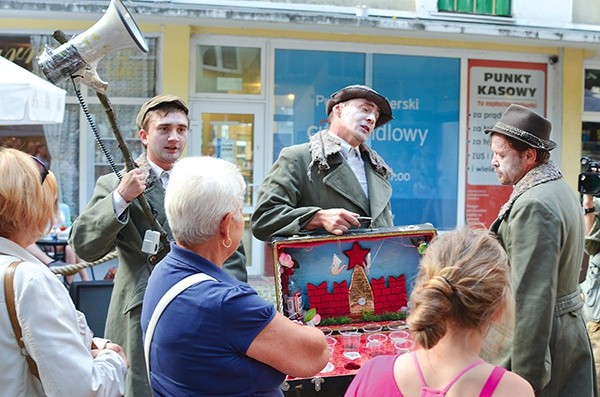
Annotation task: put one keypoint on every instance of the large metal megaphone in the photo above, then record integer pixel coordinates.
(78, 57)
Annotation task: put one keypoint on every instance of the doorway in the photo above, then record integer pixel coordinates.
(234, 132)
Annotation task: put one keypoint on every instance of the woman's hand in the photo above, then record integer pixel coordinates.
(114, 347)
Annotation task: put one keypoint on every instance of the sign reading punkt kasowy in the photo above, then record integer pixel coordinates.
(493, 86)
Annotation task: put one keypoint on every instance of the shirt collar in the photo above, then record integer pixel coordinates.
(345, 145)
(11, 248)
(155, 168)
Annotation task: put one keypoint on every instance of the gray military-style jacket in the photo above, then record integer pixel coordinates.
(313, 176)
(542, 232)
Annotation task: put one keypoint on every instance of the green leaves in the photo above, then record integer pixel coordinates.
(309, 314)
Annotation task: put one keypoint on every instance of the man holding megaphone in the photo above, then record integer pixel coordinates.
(114, 219)
(117, 215)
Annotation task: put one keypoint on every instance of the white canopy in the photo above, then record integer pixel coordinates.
(28, 99)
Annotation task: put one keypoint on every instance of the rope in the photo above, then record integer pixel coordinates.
(74, 268)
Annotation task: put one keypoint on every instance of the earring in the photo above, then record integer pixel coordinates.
(228, 244)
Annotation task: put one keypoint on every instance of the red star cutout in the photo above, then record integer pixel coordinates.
(357, 256)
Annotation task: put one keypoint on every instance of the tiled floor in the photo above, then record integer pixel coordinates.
(264, 286)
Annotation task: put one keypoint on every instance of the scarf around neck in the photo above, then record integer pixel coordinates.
(323, 144)
(536, 176)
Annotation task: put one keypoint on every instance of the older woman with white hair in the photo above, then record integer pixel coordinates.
(45, 344)
(217, 336)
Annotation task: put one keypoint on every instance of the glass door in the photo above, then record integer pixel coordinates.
(234, 132)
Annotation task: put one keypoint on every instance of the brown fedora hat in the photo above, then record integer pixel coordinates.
(525, 125)
(362, 91)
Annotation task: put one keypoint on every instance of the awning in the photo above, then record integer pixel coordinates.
(28, 99)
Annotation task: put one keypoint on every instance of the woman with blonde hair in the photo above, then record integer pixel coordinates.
(462, 288)
(54, 356)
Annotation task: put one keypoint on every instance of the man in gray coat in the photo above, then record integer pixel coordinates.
(335, 178)
(541, 229)
(113, 219)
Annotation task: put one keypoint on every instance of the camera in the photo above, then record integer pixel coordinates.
(589, 180)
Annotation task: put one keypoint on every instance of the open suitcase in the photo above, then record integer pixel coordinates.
(359, 280)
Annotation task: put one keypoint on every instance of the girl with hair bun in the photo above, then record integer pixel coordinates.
(462, 288)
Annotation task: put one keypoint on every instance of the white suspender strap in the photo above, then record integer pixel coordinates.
(163, 303)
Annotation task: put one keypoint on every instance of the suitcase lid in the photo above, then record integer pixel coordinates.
(362, 276)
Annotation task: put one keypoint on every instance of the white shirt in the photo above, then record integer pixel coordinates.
(355, 161)
(164, 178)
(158, 172)
(55, 335)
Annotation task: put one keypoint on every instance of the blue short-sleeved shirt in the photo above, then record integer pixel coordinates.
(200, 342)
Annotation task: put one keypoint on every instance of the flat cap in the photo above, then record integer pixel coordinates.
(155, 102)
(362, 91)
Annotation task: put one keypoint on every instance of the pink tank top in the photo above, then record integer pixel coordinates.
(486, 391)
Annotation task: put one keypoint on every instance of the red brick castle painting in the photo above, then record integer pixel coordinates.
(368, 273)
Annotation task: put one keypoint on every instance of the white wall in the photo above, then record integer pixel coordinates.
(586, 12)
(539, 13)
(551, 13)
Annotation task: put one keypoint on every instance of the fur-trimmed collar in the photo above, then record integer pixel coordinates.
(323, 144)
(542, 173)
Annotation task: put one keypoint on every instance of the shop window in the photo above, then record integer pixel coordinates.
(481, 7)
(590, 131)
(303, 82)
(129, 72)
(420, 145)
(591, 99)
(228, 70)
(590, 139)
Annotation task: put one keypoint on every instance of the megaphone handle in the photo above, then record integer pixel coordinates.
(60, 36)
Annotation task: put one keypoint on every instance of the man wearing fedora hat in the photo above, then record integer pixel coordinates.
(113, 219)
(335, 178)
(541, 229)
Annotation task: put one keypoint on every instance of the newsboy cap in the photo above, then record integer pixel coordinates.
(525, 125)
(362, 91)
(155, 102)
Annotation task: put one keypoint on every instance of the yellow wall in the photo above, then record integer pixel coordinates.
(572, 89)
(176, 60)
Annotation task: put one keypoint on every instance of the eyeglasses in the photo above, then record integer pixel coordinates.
(42, 167)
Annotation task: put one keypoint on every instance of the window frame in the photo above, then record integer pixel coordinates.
(226, 41)
(456, 8)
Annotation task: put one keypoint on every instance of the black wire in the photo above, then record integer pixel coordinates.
(90, 121)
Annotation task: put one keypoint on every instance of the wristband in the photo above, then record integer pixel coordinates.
(588, 210)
